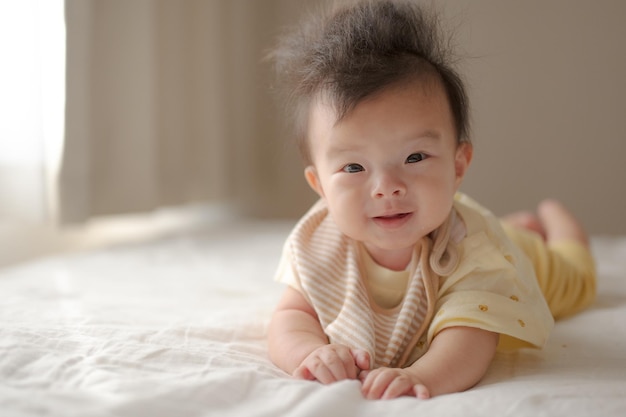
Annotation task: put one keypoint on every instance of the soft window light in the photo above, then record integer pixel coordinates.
(32, 82)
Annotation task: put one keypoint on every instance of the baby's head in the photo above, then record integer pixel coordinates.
(382, 122)
(359, 49)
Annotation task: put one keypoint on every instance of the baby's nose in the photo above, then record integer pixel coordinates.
(389, 185)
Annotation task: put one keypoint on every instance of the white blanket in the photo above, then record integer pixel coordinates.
(176, 327)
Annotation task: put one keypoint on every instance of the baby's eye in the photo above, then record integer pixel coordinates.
(353, 168)
(415, 157)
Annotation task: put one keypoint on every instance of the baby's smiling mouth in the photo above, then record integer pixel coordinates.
(393, 216)
(392, 221)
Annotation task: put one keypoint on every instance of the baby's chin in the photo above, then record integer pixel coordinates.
(392, 250)
(410, 245)
(385, 240)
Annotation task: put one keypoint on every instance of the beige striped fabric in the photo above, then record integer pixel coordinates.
(330, 273)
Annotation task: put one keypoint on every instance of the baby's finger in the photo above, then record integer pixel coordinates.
(343, 365)
(398, 387)
(302, 372)
(363, 375)
(421, 392)
(361, 359)
(323, 374)
(376, 384)
(368, 377)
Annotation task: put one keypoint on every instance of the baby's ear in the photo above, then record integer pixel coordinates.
(310, 173)
(462, 161)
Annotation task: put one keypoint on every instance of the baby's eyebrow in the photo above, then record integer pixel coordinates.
(417, 138)
(428, 135)
(339, 148)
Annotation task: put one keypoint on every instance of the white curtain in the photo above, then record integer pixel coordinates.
(32, 46)
(168, 103)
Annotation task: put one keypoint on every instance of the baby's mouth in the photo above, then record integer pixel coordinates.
(393, 216)
(392, 221)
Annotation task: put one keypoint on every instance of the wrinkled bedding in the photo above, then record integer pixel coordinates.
(176, 327)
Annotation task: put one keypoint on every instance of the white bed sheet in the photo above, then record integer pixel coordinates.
(176, 327)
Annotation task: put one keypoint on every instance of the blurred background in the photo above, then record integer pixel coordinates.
(126, 118)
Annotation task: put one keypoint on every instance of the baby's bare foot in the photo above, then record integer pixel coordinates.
(525, 220)
(559, 223)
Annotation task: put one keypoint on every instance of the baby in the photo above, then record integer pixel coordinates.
(394, 277)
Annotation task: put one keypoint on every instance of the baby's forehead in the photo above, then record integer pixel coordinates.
(413, 111)
(331, 108)
(323, 115)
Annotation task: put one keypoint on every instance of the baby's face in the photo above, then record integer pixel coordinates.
(389, 169)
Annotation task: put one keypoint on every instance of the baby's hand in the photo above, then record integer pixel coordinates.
(388, 383)
(332, 363)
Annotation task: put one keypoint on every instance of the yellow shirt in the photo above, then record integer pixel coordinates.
(492, 286)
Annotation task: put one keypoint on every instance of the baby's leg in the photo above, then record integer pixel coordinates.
(553, 222)
(525, 220)
(558, 247)
(560, 224)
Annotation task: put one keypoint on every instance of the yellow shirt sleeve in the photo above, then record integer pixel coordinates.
(493, 288)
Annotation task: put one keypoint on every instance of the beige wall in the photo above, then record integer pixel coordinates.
(548, 87)
(547, 82)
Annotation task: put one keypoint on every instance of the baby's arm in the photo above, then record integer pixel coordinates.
(456, 360)
(298, 345)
